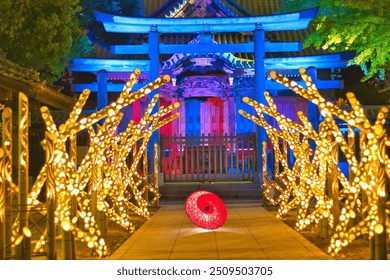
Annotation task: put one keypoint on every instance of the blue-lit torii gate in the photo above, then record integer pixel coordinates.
(205, 26)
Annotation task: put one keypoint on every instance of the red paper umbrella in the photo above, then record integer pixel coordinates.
(206, 210)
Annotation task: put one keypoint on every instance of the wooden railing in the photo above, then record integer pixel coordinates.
(208, 157)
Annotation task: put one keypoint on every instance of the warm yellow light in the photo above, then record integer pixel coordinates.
(65, 225)
(378, 228)
(103, 171)
(19, 240)
(27, 232)
(315, 177)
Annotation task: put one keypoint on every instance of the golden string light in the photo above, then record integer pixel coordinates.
(8, 189)
(21, 228)
(2, 193)
(296, 185)
(337, 198)
(104, 181)
(153, 187)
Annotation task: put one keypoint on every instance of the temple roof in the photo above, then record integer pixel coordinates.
(200, 8)
(17, 78)
(220, 8)
(199, 25)
(229, 23)
(161, 8)
(154, 8)
(260, 7)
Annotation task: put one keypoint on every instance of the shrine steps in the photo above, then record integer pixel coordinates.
(179, 191)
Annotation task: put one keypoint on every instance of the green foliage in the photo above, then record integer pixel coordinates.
(365, 94)
(359, 25)
(45, 35)
(117, 7)
(42, 35)
(11, 19)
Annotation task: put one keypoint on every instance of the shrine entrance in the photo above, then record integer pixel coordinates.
(202, 158)
(213, 63)
(211, 116)
(209, 147)
(205, 116)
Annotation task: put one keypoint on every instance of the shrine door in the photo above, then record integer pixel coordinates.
(211, 116)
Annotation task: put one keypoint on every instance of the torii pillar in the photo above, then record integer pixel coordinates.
(261, 134)
(102, 96)
(154, 72)
(312, 109)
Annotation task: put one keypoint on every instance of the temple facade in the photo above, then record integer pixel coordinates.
(216, 52)
(211, 69)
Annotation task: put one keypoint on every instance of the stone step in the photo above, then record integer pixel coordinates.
(178, 191)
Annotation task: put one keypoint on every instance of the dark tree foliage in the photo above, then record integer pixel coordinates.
(96, 30)
(45, 35)
(42, 35)
(358, 25)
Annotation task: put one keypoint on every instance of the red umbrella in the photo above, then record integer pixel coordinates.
(206, 210)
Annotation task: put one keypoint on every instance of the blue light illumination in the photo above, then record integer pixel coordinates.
(110, 65)
(278, 22)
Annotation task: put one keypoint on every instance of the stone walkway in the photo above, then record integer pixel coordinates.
(250, 232)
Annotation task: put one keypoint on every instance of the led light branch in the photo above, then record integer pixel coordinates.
(320, 178)
(104, 181)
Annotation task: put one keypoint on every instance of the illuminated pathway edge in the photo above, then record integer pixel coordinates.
(250, 232)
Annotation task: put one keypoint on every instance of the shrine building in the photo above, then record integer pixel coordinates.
(216, 52)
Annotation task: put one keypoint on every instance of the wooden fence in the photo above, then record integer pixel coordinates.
(208, 157)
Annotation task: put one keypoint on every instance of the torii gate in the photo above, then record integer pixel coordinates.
(205, 26)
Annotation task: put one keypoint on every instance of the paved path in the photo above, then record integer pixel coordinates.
(250, 232)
